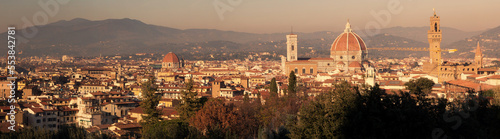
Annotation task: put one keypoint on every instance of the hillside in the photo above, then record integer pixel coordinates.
(489, 42)
(81, 37)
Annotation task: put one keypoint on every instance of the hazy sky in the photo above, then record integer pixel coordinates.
(263, 16)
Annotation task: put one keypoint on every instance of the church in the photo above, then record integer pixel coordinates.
(348, 53)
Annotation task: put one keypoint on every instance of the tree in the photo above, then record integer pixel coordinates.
(421, 86)
(216, 118)
(190, 102)
(292, 83)
(150, 101)
(273, 87)
(325, 117)
(152, 114)
(495, 93)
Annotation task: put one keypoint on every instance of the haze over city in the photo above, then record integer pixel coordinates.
(249, 69)
(261, 16)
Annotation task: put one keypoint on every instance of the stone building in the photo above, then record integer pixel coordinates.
(444, 70)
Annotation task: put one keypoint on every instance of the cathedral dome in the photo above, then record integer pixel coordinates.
(348, 41)
(171, 57)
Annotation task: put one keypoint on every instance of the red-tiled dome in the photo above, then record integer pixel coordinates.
(348, 41)
(171, 57)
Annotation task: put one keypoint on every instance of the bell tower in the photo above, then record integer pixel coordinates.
(291, 47)
(478, 59)
(434, 36)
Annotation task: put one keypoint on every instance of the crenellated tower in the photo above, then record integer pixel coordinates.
(434, 37)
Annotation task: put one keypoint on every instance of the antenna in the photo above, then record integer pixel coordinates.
(291, 30)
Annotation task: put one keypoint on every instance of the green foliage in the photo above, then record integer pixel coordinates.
(64, 132)
(273, 87)
(421, 86)
(150, 101)
(345, 113)
(324, 117)
(171, 129)
(292, 83)
(495, 94)
(190, 102)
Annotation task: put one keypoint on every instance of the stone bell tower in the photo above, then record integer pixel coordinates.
(434, 36)
(291, 47)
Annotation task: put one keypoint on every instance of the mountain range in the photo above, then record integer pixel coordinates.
(82, 37)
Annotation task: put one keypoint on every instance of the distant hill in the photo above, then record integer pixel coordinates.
(81, 37)
(450, 35)
(488, 40)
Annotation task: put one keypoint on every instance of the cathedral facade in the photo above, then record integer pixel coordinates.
(347, 53)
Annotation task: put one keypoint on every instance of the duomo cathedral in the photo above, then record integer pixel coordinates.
(347, 53)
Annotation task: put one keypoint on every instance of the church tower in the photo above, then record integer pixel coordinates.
(291, 47)
(478, 59)
(434, 37)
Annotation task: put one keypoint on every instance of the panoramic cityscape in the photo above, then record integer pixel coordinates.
(249, 69)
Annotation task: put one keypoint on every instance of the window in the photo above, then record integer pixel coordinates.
(303, 70)
(296, 70)
(292, 47)
(311, 70)
(341, 57)
(353, 57)
(436, 27)
(38, 121)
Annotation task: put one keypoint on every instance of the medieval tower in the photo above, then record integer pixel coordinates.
(434, 37)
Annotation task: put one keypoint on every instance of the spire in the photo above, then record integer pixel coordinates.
(478, 50)
(434, 11)
(291, 30)
(348, 27)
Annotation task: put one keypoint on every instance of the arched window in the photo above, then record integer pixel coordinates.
(303, 70)
(292, 48)
(296, 70)
(311, 70)
(435, 27)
